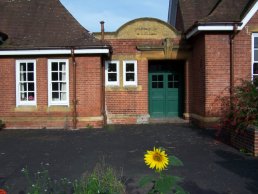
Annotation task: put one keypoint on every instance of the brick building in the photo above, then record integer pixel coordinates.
(223, 36)
(55, 74)
(181, 71)
(50, 67)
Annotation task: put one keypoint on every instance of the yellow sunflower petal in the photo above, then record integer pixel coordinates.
(156, 159)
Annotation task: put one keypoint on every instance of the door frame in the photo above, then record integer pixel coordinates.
(180, 72)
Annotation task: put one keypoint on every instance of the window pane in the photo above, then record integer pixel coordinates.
(176, 78)
(55, 96)
(255, 69)
(130, 67)
(55, 86)
(23, 96)
(63, 86)
(62, 76)
(54, 66)
(23, 87)
(160, 84)
(31, 96)
(112, 77)
(23, 77)
(170, 77)
(30, 77)
(30, 67)
(112, 67)
(176, 84)
(160, 77)
(62, 66)
(22, 66)
(170, 84)
(154, 85)
(256, 55)
(30, 86)
(63, 95)
(256, 42)
(154, 78)
(54, 76)
(130, 77)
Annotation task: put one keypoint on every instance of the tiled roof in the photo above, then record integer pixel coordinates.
(193, 11)
(32, 24)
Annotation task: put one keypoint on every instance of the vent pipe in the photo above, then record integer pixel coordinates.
(102, 30)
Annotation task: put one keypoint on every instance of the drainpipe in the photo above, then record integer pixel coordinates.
(103, 91)
(74, 91)
(232, 62)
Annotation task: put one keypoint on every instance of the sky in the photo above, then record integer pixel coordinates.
(114, 13)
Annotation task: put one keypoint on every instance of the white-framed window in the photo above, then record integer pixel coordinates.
(58, 82)
(112, 73)
(26, 83)
(130, 73)
(255, 55)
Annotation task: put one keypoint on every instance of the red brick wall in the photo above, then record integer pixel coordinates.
(246, 140)
(217, 64)
(89, 83)
(196, 69)
(243, 51)
(217, 71)
(129, 103)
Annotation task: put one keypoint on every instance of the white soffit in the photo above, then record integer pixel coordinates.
(54, 52)
(225, 27)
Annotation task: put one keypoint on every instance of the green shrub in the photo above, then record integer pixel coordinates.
(241, 109)
(102, 180)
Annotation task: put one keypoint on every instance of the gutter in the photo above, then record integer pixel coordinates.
(66, 51)
(212, 26)
(223, 26)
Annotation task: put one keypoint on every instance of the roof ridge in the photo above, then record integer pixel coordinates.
(247, 8)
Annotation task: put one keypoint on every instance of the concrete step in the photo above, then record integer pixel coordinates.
(168, 120)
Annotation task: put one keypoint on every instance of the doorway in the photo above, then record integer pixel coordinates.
(165, 88)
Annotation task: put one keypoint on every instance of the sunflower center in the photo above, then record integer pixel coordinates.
(157, 157)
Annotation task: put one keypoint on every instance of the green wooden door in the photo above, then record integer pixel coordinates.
(164, 94)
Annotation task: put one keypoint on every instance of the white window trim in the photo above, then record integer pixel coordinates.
(254, 35)
(53, 52)
(130, 83)
(18, 97)
(112, 83)
(57, 103)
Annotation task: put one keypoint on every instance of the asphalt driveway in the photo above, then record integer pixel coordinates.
(210, 167)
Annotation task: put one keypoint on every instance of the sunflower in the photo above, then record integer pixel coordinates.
(157, 159)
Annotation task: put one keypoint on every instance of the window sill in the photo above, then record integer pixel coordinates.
(59, 108)
(26, 108)
(124, 88)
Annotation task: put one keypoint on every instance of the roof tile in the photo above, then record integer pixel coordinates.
(41, 24)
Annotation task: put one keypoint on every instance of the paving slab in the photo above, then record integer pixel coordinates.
(210, 166)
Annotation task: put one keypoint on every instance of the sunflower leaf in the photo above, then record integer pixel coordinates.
(174, 161)
(166, 184)
(145, 180)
